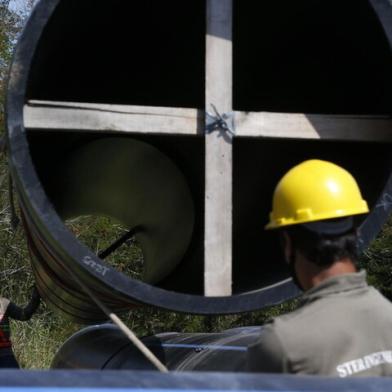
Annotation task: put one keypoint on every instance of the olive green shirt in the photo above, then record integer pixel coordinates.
(342, 328)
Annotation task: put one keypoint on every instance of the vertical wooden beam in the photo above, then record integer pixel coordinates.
(218, 192)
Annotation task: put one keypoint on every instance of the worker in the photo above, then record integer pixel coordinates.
(342, 327)
(9, 310)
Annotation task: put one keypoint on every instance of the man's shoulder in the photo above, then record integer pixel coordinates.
(334, 311)
(299, 315)
(296, 322)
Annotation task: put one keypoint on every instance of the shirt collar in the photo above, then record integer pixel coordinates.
(336, 284)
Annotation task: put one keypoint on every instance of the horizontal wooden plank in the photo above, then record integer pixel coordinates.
(74, 116)
(313, 126)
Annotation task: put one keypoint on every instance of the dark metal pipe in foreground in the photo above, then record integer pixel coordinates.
(105, 347)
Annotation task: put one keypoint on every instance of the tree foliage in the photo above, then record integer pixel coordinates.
(11, 22)
(377, 261)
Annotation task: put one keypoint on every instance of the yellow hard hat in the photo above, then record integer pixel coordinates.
(312, 191)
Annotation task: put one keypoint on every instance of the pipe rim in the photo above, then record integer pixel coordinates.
(41, 210)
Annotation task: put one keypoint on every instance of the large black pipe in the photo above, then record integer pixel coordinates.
(131, 62)
(105, 347)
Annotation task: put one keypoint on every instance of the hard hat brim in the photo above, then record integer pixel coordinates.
(320, 225)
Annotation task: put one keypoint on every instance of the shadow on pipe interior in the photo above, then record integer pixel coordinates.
(154, 185)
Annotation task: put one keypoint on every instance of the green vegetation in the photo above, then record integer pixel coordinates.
(98, 233)
(10, 23)
(377, 261)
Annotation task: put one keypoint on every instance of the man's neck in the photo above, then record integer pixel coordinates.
(341, 267)
(315, 275)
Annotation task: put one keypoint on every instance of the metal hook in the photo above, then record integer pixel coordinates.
(220, 122)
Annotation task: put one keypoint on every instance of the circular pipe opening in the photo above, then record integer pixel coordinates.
(55, 61)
